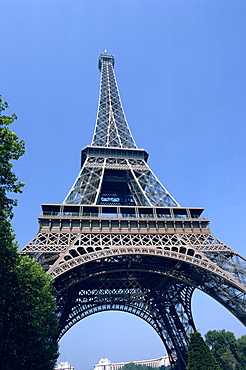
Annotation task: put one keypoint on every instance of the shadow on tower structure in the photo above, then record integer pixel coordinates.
(120, 241)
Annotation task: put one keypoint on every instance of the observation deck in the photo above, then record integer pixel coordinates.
(111, 152)
(122, 219)
(105, 57)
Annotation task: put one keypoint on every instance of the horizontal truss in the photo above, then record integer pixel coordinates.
(112, 129)
(143, 186)
(120, 241)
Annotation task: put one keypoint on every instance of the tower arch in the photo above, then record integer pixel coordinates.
(120, 241)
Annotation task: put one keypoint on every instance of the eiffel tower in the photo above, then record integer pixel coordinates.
(120, 241)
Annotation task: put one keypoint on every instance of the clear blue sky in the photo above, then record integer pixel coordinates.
(180, 67)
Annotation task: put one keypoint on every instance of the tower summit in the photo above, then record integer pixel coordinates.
(111, 127)
(114, 171)
(120, 241)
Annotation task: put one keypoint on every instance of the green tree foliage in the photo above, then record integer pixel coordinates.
(30, 340)
(11, 148)
(228, 351)
(132, 366)
(199, 355)
(28, 324)
(241, 346)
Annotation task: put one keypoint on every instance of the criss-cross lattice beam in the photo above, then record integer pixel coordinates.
(111, 129)
(95, 183)
(189, 246)
(141, 184)
(120, 240)
(165, 306)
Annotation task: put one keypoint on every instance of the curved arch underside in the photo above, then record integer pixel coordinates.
(120, 240)
(158, 289)
(159, 300)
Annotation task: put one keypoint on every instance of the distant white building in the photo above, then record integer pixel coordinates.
(64, 366)
(105, 363)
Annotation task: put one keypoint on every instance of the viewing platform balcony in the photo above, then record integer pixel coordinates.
(100, 211)
(121, 219)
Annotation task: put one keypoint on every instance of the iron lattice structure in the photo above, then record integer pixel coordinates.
(120, 241)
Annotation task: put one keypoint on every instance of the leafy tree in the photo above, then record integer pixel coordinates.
(241, 346)
(30, 342)
(11, 148)
(132, 366)
(229, 352)
(165, 367)
(199, 355)
(28, 324)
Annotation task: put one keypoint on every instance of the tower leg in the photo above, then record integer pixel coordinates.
(165, 303)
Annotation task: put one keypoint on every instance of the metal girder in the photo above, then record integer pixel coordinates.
(157, 289)
(111, 129)
(122, 267)
(165, 306)
(93, 185)
(120, 241)
(99, 178)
